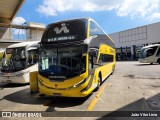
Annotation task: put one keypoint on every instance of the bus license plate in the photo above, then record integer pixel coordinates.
(57, 94)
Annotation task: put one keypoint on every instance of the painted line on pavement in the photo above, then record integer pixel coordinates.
(95, 100)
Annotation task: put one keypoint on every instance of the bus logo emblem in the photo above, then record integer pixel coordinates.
(63, 28)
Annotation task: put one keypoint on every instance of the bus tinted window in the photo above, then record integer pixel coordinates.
(95, 29)
(69, 30)
(9, 50)
(101, 36)
(151, 51)
(106, 58)
(32, 57)
(158, 52)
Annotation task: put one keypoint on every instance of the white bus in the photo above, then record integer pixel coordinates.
(150, 54)
(1, 56)
(18, 61)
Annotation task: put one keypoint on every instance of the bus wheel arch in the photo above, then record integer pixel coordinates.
(99, 81)
(100, 77)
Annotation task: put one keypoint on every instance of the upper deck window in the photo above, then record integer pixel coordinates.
(69, 30)
(95, 29)
(101, 36)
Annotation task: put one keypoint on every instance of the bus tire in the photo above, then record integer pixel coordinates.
(99, 82)
(158, 61)
(151, 63)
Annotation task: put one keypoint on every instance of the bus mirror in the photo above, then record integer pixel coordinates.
(94, 60)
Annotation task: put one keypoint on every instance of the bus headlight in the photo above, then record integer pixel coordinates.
(80, 83)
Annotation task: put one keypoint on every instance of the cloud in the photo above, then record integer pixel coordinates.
(51, 7)
(18, 20)
(132, 8)
(154, 16)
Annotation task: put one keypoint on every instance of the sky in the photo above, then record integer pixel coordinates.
(111, 15)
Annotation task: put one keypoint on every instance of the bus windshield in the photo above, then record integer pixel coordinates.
(65, 31)
(14, 60)
(61, 63)
(147, 52)
(142, 53)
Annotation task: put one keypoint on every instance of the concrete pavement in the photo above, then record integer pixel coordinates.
(132, 87)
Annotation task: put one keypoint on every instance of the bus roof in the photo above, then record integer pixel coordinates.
(69, 20)
(88, 19)
(23, 44)
(151, 46)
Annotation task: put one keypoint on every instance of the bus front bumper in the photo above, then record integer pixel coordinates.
(12, 79)
(72, 92)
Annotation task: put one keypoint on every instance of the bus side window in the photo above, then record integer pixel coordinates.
(100, 61)
(32, 57)
(158, 52)
(151, 51)
(90, 61)
(95, 55)
(105, 59)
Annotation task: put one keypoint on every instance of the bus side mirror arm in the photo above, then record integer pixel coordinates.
(92, 63)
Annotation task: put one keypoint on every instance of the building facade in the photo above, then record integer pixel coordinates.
(34, 34)
(128, 42)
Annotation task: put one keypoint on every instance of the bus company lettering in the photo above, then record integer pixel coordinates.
(71, 37)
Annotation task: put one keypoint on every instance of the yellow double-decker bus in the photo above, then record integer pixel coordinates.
(75, 57)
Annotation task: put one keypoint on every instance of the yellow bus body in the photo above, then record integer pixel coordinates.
(69, 87)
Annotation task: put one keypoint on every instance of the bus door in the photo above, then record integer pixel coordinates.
(93, 55)
(32, 56)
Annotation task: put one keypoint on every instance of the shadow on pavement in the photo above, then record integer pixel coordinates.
(25, 97)
(65, 102)
(12, 85)
(140, 106)
(146, 64)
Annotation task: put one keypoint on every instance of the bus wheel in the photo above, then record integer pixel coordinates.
(98, 84)
(151, 63)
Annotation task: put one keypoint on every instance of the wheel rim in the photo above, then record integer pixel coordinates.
(99, 82)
